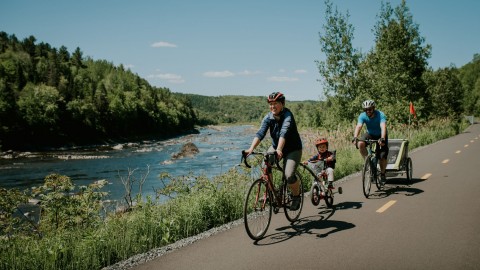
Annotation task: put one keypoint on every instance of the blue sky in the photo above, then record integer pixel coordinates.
(219, 47)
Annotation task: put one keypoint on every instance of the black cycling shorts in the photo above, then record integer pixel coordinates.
(382, 152)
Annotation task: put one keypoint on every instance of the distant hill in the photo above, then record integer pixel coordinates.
(234, 109)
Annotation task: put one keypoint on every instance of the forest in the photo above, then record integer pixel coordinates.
(50, 97)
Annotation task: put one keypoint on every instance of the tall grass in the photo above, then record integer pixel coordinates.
(198, 204)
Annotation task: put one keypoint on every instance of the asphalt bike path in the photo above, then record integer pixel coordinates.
(432, 223)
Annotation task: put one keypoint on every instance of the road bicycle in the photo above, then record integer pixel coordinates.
(371, 169)
(269, 193)
(319, 190)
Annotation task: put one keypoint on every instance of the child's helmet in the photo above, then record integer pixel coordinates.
(276, 96)
(321, 141)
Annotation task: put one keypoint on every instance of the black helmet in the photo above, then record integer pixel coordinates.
(276, 96)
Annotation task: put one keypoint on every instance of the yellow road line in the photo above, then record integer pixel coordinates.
(385, 206)
(466, 145)
(472, 141)
(458, 152)
(426, 176)
(445, 161)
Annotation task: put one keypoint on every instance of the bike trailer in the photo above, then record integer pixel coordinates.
(397, 155)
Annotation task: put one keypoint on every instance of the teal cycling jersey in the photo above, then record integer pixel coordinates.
(373, 124)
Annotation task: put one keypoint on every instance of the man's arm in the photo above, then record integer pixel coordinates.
(357, 130)
(383, 127)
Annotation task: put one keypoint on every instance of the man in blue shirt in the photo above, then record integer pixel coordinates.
(286, 141)
(376, 123)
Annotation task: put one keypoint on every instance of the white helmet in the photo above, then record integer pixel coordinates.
(368, 104)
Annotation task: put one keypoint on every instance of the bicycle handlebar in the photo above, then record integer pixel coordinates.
(244, 157)
(367, 141)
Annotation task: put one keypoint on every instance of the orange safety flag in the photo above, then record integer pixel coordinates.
(412, 110)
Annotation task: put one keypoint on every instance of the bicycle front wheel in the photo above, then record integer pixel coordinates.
(367, 177)
(328, 197)
(257, 211)
(292, 215)
(315, 194)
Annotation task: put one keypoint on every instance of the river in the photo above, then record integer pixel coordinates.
(219, 150)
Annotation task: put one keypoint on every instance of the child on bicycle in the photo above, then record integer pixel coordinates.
(328, 156)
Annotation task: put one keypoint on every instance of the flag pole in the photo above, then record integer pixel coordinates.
(409, 124)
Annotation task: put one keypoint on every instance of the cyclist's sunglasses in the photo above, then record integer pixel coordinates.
(368, 109)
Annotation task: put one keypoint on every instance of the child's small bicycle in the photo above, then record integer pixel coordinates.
(319, 189)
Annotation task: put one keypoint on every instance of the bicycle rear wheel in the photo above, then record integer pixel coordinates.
(367, 177)
(257, 210)
(292, 215)
(378, 178)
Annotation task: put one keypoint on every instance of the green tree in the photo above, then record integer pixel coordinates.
(469, 75)
(391, 73)
(39, 105)
(445, 91)
(340, 66)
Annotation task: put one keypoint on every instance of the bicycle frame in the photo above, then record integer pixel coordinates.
(268, 177)
(370, 171)
(319, 190)
(263, 197)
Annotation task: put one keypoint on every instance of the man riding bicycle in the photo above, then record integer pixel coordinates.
(376, 123)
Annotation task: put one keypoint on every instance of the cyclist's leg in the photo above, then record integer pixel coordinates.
(382, 157)
(362, 145)
(330, 176)
(290, 164)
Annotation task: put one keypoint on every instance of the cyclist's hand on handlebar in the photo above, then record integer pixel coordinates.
(355, 142)
(279, 154)
(381, 141)
(247, 152)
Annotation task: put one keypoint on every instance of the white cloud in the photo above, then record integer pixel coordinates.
(163, 44)
(248, 72)
(169, 77)
(218, 74)
(300, 71)
(282, 79)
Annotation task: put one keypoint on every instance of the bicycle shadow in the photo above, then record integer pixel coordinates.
(312, 224)
(397, 186)
(322, 227)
